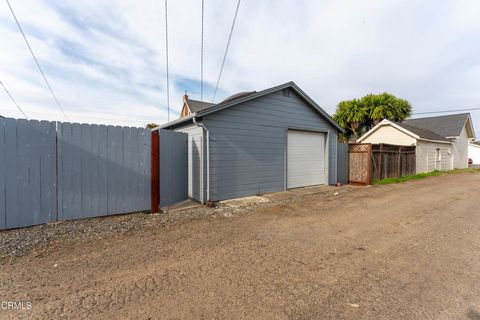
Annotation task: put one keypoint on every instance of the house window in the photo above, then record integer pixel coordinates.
(439, 155)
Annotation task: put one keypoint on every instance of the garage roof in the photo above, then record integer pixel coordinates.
(244, 97)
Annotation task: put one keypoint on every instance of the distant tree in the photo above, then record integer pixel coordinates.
(151, 125)
(360, 115)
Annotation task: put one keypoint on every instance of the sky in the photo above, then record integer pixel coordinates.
(106, 60)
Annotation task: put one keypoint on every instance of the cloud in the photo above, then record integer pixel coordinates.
(106, 60)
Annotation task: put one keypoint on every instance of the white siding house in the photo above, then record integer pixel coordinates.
(460, 149)
(474, 152)
(442, 142)
(457, 128)
(433, 156)
(433, 152)
(391, 135)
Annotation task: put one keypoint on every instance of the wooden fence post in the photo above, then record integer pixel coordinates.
(399, 162)
(380, 164)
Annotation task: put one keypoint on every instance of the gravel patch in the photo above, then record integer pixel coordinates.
(18, 242)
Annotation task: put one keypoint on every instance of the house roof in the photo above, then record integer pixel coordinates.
(197, 106)
(446, 126)
(417, 133)
(423, 133)
(247, 96)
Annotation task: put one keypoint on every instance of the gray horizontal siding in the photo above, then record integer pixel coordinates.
(247, 144)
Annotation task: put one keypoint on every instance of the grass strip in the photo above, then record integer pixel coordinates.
(424, 175)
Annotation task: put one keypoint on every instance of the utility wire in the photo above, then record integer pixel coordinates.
(226, 51)
(201, 55)
(166, 55)
(13, 100)
(36, 61)
(446, 111)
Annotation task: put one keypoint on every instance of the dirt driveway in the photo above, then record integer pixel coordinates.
(406, 251)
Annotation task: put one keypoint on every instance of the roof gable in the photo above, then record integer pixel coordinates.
(446, 126)
(253, 95)
(417, 133)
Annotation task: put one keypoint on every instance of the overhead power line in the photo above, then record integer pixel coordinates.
(445, 111)
(201, 55)
(13, 100)
(226, 50)
(166, 55)
(36, 61)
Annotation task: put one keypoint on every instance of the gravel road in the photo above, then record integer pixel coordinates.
(404, 251)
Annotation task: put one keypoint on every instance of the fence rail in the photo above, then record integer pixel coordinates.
(392, 161)
(368, 162)
(52, 171)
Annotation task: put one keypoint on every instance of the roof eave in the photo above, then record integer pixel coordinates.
(436, 141)
(176, 122)
(470, 124)
(386, 122)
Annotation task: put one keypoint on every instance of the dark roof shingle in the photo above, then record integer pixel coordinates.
(196, 106)
(423, 133)
(446, 126)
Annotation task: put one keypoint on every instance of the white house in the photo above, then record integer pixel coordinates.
(441, 142)
(474, 152)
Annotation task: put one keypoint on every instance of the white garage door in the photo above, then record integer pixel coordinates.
(305, 159)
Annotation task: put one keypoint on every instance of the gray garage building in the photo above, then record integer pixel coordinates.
(257, 142)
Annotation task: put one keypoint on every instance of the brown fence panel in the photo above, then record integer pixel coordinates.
(392, 161)
(359, 163)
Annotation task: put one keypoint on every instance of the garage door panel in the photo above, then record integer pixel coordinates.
(302, 173)
(305, 158)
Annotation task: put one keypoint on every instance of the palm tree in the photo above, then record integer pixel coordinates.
(351, 114)
(359, 115)
(380, 106)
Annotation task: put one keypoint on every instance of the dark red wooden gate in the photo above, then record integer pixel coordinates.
(155, 173)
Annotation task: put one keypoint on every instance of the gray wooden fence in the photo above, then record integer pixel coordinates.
(27, 173)
(342, 163)
(53, 171)
(173, 167)
(102, 170)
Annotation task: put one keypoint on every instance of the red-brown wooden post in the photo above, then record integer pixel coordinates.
(155, 173)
